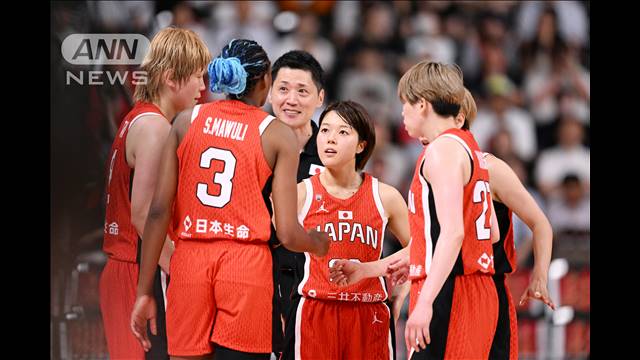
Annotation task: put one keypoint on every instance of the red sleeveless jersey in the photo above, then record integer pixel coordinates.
(222, 173)
(120, 236)
(476, 254)
(356, 228)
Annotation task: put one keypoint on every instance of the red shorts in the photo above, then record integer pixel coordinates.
(220, 292)
(465, 314)
(342, 330)
(117, 296)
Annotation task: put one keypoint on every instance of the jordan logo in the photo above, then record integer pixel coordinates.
(375, 318)
(322, 209)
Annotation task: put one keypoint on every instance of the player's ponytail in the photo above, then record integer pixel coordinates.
(238, 67)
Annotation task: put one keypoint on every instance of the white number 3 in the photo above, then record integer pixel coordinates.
(223, 179)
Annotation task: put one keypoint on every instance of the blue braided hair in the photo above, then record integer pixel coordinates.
(239, 66)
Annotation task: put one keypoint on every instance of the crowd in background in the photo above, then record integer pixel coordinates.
(526, 64)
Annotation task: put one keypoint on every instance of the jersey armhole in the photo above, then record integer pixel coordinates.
(466, 147)
(194, 113)
(263, 125)
(307, 201)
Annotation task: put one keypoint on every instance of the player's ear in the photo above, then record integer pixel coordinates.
(167, 78)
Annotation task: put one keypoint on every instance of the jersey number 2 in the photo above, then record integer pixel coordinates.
(480, 194)
(221, 178)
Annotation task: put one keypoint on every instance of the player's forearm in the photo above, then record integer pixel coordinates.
(379, 267)
(542, 244)
(444, 258)
(153, 239)
(294, 238)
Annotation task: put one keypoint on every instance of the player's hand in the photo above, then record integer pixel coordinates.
(416, 331)
(537, 290)
(398, 271)
(321, 240)
(346, 272)
(144, 309)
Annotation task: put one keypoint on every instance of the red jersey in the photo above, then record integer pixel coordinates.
(476, 254)
(120, 236)
(222, 173)
(356, 227)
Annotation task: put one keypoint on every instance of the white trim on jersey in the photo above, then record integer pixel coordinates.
(305, 278)
(298, 339)
(263, 125)
(378, 201)
(139, 116)
(427, 223)
(462, 142)
(163, 283)
(391, 322)
(194, 113)
(307, 201)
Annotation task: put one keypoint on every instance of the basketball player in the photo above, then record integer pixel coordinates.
(453, 301)
(508, 193)
(175, 65)
(222, 153)
(510, 196)
(354, 209)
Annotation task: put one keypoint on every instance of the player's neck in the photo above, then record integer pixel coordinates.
(440, 125)
(303, 134)
(253, 99)
(167, 108)
(345, 177)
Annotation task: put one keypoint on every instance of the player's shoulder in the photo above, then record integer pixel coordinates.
(389, 195)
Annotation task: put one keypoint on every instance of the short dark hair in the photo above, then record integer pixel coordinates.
(302, 60)
(358, 118)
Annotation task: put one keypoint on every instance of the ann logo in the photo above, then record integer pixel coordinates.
(104, 49)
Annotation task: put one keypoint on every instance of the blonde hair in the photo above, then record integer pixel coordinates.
(469, 109)
(179, 50)
(438, 83)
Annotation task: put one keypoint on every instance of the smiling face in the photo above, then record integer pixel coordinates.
(338, 142)
(295, 97)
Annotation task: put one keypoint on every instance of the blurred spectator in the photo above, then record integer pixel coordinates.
(501, 144)
(121, 16)
(308, 37)
(572, 20)
(428, 41)
(346, 17)
(245, 20)
(502, 114)
(193, 16)
(316, 7)
(379, 30)
(565, 79)
(570, 212)
(388, 162)
(569, 156)
(372, 86)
